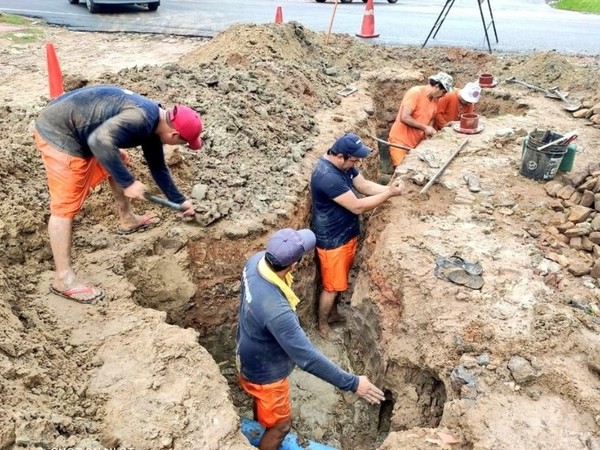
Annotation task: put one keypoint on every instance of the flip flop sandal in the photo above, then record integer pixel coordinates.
(148, 221)
(70, 294)
(462, 277)
(471, 268)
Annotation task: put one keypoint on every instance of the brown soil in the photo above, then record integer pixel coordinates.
(135, 371)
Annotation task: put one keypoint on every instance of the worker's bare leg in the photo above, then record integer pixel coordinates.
(127, 218)
(275, 435)
(326, 305)
(60, 230)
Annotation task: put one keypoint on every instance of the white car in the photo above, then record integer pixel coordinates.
(94, 5)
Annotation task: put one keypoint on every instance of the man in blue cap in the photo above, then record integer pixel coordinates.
(335, 217)
(270, 340)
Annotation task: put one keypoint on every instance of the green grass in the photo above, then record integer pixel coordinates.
(13, 20)
(24, 37)
(591, 6)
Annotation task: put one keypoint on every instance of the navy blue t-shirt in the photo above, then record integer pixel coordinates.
(270, 341)
(333, 224)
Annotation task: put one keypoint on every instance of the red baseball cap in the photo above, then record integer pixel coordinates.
(188, 124)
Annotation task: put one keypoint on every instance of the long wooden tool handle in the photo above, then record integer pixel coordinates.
(403, 147)
(446, 164)
(569, 135)
(163, 202)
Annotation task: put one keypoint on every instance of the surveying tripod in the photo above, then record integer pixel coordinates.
(446, 9)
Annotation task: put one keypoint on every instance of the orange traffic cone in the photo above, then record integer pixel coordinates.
(278, 15)
(368, 25)
(54, 73)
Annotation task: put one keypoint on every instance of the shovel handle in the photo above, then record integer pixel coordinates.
(163, 201)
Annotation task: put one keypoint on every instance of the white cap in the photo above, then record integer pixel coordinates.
(470, 93)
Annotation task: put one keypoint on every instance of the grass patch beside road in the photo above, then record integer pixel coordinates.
(13, 20)
(591, 6)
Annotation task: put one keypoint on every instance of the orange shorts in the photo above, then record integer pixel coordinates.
(70, 179)
(272, 401)
(336, 264)
(397, 155)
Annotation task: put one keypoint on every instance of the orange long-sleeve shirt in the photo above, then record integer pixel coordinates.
(449, 109)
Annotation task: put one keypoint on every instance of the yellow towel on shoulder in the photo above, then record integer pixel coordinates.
(286, 286)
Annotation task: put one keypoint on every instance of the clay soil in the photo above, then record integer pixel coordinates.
(515, 365)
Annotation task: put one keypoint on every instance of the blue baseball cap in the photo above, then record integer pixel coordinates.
(289, 246)
(351, 145)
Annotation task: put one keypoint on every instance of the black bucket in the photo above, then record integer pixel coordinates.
(541, 164)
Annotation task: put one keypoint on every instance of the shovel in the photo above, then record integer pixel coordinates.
(567, 105)
(547, 92)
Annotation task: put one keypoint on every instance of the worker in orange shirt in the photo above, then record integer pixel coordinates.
(414, 121)
(452, 106)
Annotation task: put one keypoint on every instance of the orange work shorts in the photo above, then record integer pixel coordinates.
(272, 401)
(336, 264)
(70, 179)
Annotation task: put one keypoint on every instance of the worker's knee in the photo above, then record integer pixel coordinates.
(283, 427)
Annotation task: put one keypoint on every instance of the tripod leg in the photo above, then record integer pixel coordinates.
(492, 16)
(443, 18)
(487, 38)
(437, 23)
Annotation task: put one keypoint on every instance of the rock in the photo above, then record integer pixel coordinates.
(594, 236)
(595, 272)
(565, 192)
(199, 192)
(575, 198)
(173, 156)
(597, 202)
(579, 268)
(521, 370)
(580, 114)
(583, 229)
(484, 359)
(589, 184)
(576, 178)
(461, 376)
(579, 214)
(575, 243)
(552, 187)
(595, 224)
(587, 199)
(565, 226)
(586, 244)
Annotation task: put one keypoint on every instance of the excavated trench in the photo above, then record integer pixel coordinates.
(207, 298)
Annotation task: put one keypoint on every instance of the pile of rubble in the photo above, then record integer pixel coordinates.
(577, 195)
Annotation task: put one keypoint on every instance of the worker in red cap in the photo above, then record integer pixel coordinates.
(80, 135)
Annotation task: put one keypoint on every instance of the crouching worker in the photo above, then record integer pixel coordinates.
(270, 340)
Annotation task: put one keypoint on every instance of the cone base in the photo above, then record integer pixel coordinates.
(367, 35)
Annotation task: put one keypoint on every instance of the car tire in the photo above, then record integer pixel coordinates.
(320, 1)
(392, 1)
(153, 6)
(74, 2)
(92, 7)
(346, 1)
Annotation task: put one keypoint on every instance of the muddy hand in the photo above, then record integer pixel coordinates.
(135, 190)
(188, 209)
(368, 391)
(397, 187)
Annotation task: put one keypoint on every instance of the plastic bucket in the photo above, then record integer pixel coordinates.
(567, 162)
(541, 164)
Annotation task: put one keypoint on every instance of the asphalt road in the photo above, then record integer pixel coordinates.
(522, 25)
